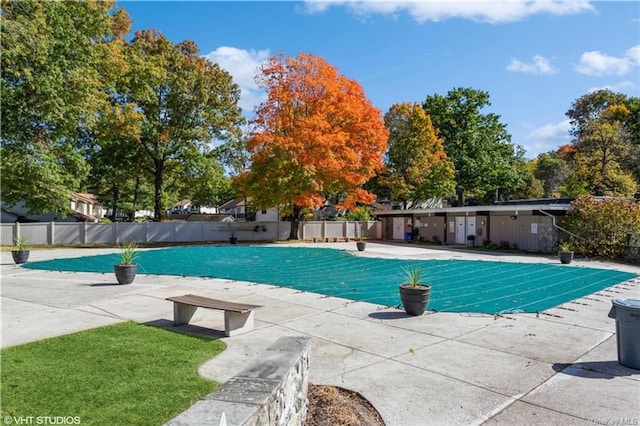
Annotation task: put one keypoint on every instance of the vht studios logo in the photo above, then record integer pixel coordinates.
(42, 420)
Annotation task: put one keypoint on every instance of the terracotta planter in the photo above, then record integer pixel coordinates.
(361, 245)
(565, 257)
(415, 299)
(20, 256)
(125, 274)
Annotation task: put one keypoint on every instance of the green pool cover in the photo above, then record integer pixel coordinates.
(457, 285)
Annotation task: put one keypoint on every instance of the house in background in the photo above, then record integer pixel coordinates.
(186, 207)
(237, 209)
(85, 208)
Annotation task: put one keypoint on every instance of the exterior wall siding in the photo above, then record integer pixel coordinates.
(528, 231)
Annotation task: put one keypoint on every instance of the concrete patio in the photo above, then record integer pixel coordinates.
(558, 367)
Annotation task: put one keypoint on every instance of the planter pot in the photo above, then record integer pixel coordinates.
(125, 274)
(361, 245)
(20, 256)
(565, 257)
(233, 240)
(415, 299)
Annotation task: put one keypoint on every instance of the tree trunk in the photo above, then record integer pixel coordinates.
(295, 222)
(132, 214)
(158, 182)
(114, 202)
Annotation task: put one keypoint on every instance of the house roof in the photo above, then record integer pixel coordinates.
(507, 207)
(85, 197)
(232, 204)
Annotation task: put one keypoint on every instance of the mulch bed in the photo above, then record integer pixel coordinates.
(333, 405)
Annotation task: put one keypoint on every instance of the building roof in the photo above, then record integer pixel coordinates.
(507, 207)
(84, 197)
(232, 204)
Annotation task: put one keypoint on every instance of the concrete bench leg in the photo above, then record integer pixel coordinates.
(237, 323)
(182, 313)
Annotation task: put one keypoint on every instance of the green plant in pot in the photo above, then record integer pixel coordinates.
(361, 244)
(414, 292)
(20, 251)
(127, 268)
(565, 252)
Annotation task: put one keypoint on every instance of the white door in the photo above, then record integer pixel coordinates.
(471, 227)
(461, 237)
(398, 228)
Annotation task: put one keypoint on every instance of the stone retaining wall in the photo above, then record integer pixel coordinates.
(271, 390)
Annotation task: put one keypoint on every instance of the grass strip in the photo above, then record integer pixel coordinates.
(123, 374)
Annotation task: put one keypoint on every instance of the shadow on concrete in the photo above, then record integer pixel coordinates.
(388, 315)
(105, 284)
(190, 329)
(596, 369)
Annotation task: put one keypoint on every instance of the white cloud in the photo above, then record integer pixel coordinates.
(623, 86)
(599, 64)
(243, 65)
(555, 131)
(634, 54)
(540, 65)
(547, 138)
(475, 10)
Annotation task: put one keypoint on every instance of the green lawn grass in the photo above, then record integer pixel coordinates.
(124, 374)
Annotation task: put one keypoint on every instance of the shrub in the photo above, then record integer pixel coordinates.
(504, 245)
(602, 226)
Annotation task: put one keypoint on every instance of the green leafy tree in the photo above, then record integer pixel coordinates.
(601, 146)
(51, 89)
(605, 144)
(602, 225)
(203, 181)
(589, 107)
(185, 100)
(118, 167)
(477, 143)
(418, 167)
(532, 187)
(234, 155)
(552, 172)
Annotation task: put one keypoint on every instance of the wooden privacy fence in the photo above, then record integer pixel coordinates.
(50, 233)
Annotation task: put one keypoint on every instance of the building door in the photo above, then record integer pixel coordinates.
(471, 227)
(398, 228)
(460, 230)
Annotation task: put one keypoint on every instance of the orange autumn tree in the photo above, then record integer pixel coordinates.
(315, 135)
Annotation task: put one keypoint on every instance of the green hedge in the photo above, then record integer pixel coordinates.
(602, 225)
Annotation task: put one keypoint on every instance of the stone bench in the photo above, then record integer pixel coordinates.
(238, 317)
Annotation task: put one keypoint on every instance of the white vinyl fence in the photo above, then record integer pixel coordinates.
(50, 233)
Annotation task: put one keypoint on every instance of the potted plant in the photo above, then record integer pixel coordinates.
(126, 270)
(20, 251)
(361, 244)
(565, 252)
(233, 239)
(414, 292)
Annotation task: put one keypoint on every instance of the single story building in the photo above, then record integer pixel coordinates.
(529, 225)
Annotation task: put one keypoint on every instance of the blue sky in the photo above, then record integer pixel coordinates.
(534, 58)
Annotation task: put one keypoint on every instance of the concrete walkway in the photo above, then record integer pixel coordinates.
(442, 368)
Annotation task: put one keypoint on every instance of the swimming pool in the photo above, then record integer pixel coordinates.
(457, 285)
